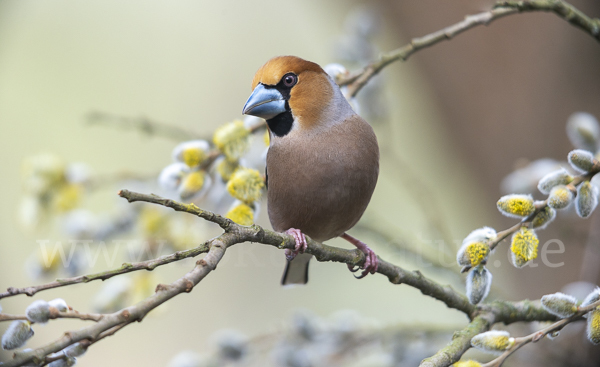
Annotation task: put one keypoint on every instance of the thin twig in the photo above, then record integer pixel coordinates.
(125, 268)
(540, 334)
(356, 80)
(57, 315)
(142, 124)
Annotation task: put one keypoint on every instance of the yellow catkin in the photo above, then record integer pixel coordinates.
(153, 222)
(241, 214)
(226, 168)
(232, 139)
(499, 343)
(593, 327)
(193, 156)
(560, 197)
(467, 364)
(267, 138)
(68, 197)
(516, 205)
(544, 217)
(50, 260)
(524, 246)
(477, 252)
(194, 181)
(246, 185)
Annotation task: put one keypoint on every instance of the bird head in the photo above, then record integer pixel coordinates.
(291, 93)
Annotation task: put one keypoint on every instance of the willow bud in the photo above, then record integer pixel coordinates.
(560, 304)
(582, 160)
(246, 185)
(64, 362)
(524, 247)
(232, 139)
(543, 218)
(517, 206)
(493, 341)
(479, 281)
(587, 199)
(593, 297)
(192, 153)
(593, 327)
(483, 234)
(560, 197)
(555, 178)
(472, 253)
(16, 335)
(38, 311)
(583, 131)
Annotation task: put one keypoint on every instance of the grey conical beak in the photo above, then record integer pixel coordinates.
(264, 102)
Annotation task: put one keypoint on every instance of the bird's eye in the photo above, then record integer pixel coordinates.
(290, 80)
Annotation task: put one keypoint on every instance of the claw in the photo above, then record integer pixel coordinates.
(300, 246)
(353, 268)
(362, 275)
(371, 261)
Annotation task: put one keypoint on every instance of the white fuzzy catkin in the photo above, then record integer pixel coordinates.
(543, 218)
(516, 205)
(593, 297)
(75, 350)
(493, 341)
(232, 344)
(560, 197)
(16, 335)
(581, 160)
(170, 177)
(38, 311)
(560, 304)
(59, 304)
(64, 362)
(587, 199)
(583, 131)
(552, 179)
(483, 234)
(593, 327)
(479, 281)
(192, 153)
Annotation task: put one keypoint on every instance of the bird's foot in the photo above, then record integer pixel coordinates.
(301, 244)
(371, 261)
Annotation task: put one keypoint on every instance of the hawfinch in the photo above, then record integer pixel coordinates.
(322, 163)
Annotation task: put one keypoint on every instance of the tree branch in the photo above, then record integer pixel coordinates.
(125, 268)
(142, 124)
(234, 234)
(137, 312)
(461, 342)
(355, 81)
(57, 315)
(540, 334)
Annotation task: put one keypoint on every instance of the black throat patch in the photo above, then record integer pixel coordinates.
(281, 124)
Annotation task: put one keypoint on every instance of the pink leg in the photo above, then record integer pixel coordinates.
(371, 260)
(301, 244)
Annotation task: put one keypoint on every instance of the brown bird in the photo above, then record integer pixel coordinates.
(323, 159)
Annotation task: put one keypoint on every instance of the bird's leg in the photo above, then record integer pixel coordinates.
(301, 244)
(371, 260)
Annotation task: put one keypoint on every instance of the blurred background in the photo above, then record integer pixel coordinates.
(453, 121)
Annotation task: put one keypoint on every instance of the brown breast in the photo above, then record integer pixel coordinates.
(323, 184)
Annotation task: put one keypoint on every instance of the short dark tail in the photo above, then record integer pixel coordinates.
(296, 271)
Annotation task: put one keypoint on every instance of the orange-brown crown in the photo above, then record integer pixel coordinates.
(273, 70)
(310, 96)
